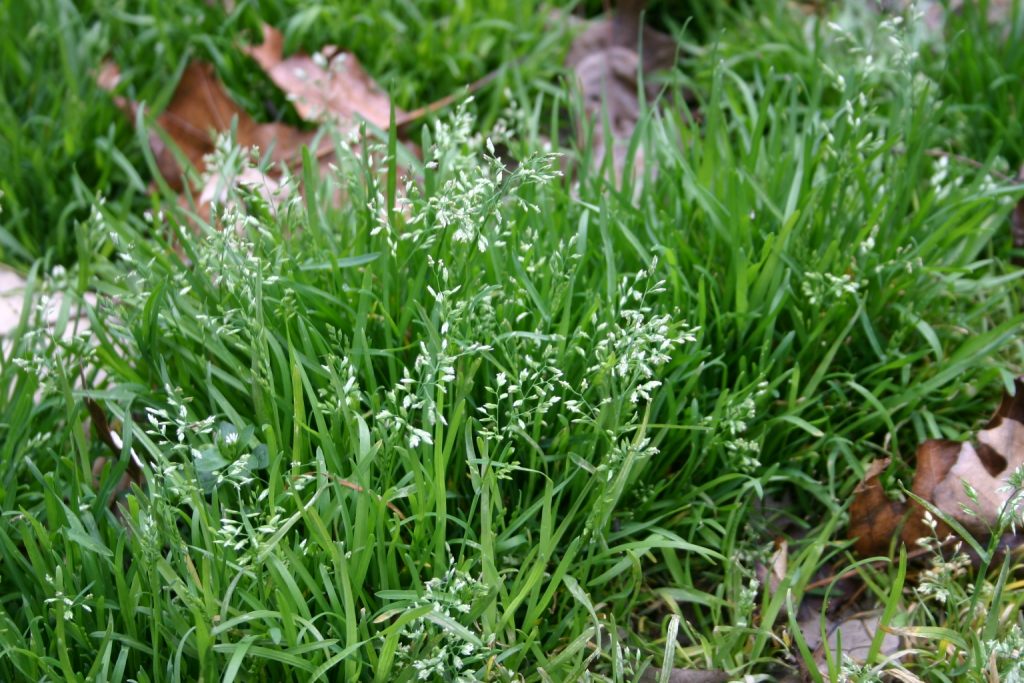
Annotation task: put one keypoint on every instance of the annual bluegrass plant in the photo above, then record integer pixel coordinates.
(409, 413)
(506, 423)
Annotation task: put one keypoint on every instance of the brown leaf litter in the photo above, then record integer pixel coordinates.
(932, 14)
(846, 613)
(609, 59)
(677, 675)
(855, 633)
(330, 86)
(966, 481)
(198, 112)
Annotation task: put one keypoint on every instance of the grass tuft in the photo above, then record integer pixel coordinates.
(493, 423)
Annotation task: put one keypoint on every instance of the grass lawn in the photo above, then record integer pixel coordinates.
(521, 423)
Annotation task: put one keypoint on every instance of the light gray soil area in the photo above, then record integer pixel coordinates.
(12, 290)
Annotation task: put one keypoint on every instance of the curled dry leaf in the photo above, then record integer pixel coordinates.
(945, 471)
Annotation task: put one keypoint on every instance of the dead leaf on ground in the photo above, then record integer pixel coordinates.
(330, 86)
(622, 29)
(854, 634)
(943, 469)
(12, 301)
(200, 110)
(608, 61)
(933, 13)
(265, 185)
(779, 567)
(873, 515)
(652, 675)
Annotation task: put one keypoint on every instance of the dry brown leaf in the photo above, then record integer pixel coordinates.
(331, 87)
(339, 93)
(986, 467)
(779, 566)
(873, 516)
(935, 459)
(607, 61)
(773, 573)
(328, 87)
(933, 12)
(266, 185)
(944, 468)
(201, 109)
(12, 303)
(622, 29)
(108, 78)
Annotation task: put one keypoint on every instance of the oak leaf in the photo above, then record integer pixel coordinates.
(328, 87)
(198, 112)
(968, 482)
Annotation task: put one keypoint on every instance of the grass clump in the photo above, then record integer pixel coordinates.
(518, 424)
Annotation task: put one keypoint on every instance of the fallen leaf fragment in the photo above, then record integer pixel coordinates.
(331, 86)
(328, 87)
(946, 472)
(873, 516)
(12, 300)
(854, 635)
(772, 574)
(653, 675)
(933, 13)
(200, 110)
(267, 186)
(623, 29)
(608, 61)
